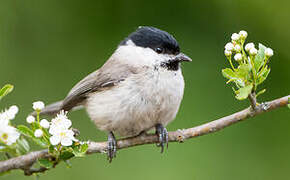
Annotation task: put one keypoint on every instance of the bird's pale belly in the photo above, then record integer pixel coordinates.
(134, 106)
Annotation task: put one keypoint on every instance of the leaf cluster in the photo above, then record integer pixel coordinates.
(250, 72)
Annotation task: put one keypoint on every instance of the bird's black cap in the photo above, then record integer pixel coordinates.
(156, 39)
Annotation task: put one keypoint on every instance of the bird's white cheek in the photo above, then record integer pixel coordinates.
(138, 56)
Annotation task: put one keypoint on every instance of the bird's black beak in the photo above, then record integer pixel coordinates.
(182, 58)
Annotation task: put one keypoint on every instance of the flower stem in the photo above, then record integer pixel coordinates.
(245, 56)
(254, 72)
(37, 117)
(263, 67)
(230, 60)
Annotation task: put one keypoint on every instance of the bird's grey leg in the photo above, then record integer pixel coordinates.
(162, 134)
(112, 146)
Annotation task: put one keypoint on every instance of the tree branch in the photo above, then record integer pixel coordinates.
(25, 162)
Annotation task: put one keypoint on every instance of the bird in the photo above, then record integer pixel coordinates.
(139, 88)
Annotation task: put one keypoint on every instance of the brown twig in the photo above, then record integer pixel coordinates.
(253, 100)
(25, 162)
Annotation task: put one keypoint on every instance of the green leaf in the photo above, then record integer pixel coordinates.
(51, 149)
(260, 57)
(228, 73)
(45, 163)
(232, 76)
(65, 155)
(22, 146)
(244, 71)
(288, 102)
(84, 147)
(6, 90)
(29, 133)
(244, 92)
(9, 149)
(40, 142)
(25, 131)
(261, 92)
(263, 76)
(80, 150)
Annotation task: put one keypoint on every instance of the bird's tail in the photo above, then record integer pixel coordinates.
(51, 109)
(54, 108)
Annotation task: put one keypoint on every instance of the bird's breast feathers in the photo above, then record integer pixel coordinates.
(138, 103)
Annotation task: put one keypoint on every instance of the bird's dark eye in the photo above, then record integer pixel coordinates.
(159, 50)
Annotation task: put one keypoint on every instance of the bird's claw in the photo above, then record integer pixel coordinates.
(162, 134)
(112, 147)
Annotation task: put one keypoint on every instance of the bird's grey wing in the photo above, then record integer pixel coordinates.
(108, 76)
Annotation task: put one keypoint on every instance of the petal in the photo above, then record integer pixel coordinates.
(53, 120)
(67, 123)
(70, 133)
(52, 130)
(66, 141)
(13, 135)
(4, 122)
(54, 140)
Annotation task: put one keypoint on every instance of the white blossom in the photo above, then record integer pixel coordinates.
(4, 121)
(8, 134)
(243, 34)
(65, 137)
(269, 52)
(38, 133)
(59, 129)
(228, 53)
(10, 113)
(13, 109)
(38, 105)
(44, 123)
(229, 46)
(253, 51)
(237, 48)
(249, 46)
(30, 119)
(238, 57)
(60, 122)
(6, 115)
(235, 37)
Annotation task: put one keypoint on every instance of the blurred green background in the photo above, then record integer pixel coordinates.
(48, 46)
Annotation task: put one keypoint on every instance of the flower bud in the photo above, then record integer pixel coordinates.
(243, 34)
(44, 123)
(228, 53)
(235, 37)
(229, 46)
(249, 46)
(38, 106)
(269, 52)
(253, 51)
(30, 119)
(14, 109)
(38, 133)
(237, 48)
(238, 57)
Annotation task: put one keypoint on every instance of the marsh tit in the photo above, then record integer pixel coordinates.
(139, 88)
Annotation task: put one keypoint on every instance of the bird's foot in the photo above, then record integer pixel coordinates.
(162, 134)
(112, 147)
